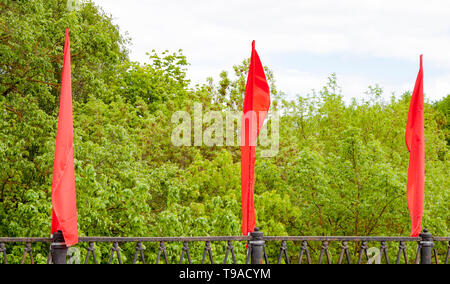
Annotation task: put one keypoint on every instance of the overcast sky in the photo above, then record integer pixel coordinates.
(303, 42)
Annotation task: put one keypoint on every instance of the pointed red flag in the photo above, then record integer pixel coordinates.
(64, 214)
(256, 106)
(415, 141)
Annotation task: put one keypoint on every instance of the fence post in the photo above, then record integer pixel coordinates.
(426, 246)
(58, 248)
(257, 247)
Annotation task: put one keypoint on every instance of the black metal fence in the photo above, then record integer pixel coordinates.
(254, 249)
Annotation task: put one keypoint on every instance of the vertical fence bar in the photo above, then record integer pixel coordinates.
(324, 250)
(266, 257)
(344, 251)
(27, 251)
(304, 249)
(384, 252)
(139, 251)
(283, 252)
(249, 251)
(230, 248)
(3, 252)
(162, 249)
(402, 250)
(90, 250)
(115, 249)
(207, 250)
(448, 254)
(185, 250)
(363, 250)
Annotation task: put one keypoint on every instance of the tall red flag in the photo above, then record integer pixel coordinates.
(64, 214)
(256, 106)
(415, 141)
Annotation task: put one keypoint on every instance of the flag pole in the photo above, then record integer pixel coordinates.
(58, 248)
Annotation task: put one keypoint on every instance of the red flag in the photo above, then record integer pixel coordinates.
(415, 141)
(64, 214)
(256, 106)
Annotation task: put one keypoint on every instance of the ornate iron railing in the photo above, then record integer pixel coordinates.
(256, 249)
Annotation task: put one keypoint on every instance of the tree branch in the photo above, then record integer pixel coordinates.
(20, 115)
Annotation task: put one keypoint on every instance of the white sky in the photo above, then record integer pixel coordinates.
(303, 42)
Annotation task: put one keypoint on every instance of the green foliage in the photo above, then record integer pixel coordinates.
(160, 81)
(32, 43)
(341, 168)
(443, 106)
